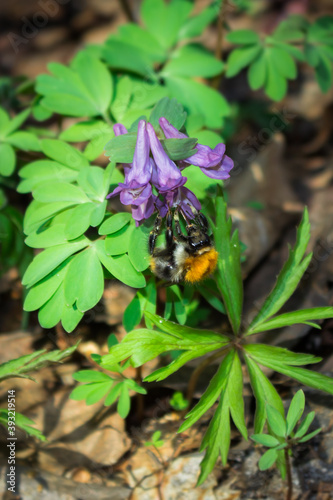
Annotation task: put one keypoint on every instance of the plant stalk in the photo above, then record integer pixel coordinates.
(289, 478)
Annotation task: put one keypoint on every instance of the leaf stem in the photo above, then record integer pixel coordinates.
(196, 374)
(289, 478)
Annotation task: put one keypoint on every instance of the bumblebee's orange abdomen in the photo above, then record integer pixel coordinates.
(200, 266)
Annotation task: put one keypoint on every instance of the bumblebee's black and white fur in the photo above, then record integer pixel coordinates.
(187, 258)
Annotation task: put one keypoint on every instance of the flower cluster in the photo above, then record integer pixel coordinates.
(152, 167)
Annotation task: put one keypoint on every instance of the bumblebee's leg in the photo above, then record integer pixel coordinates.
(154, 234)
(178, 228)
(202, 221)
(169, 231)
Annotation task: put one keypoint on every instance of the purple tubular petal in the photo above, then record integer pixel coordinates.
(166, 175)
(185, 200)
(220, 171)
(169, 130)
(207, 157)
(135, 194)
(119, 129)
(144, 210)
(142, 168)
(116, 191)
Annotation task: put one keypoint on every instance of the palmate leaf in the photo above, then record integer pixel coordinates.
(84, 89)
(199, 99)
(288, 278)
(192, 60)
(229, 279)
(195, 25)
(217, 438)
(295, 411)
(287, 363)
(164, 20)
(145, 344)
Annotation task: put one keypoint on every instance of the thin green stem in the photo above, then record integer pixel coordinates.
(289, 478)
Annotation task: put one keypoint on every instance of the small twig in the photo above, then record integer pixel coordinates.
(127, 10)
(289, 478)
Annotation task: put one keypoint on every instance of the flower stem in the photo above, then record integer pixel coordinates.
(289, 478)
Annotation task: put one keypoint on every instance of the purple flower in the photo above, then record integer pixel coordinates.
(166, 175)
(213, 162)
(185, 200)
(144, 210)
(136, 189)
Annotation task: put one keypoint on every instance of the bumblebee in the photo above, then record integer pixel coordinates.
(189, 258)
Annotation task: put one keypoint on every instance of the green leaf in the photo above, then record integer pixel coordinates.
(324, 73)
(45, 288)
(50, 313)
(120, 267)
(164, 21)
(138, 248)
(276, 84)
(268, 459)
(199, 99)
(40, 171)
(310, 436)
(294, 317)
(33, 362)
(276, 421)
(84, 281)
(113, 394)
(121, 148)
(195, 25)
(243, 37)
(240, 58)
(219, 426)
(114, 223)
(264, 392)
(23, 423)
(83, 90)
(143, 345)
(171, 109)
(305, 424)
(64, 153)
(284, 362)
(216, 385)
(9, 126)
(7, 159)
(289, 277)
(90, 376)
(229, 278)
(283, 62)
(118, 243)
(85, 131)
(49, 259)
(257, 72)
(295, 411)
(124, 56)
(124, 403)
(211, 297)
(265, 440)
(192, 60)
(141, 39)
(96, 78)
(24, 140)
(79, 221)
(59, 191)
(70, 317)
